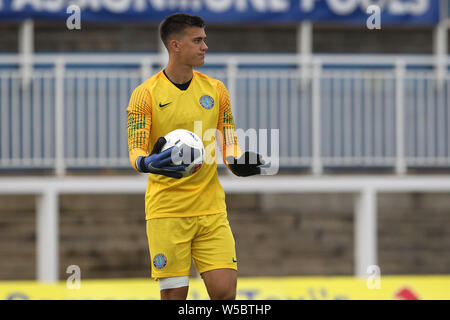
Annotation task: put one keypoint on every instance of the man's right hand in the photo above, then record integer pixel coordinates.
(160, 162)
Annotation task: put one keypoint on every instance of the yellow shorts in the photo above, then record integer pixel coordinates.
(207, 239)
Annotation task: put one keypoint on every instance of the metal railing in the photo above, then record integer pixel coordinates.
(68, 111)
(364, 188)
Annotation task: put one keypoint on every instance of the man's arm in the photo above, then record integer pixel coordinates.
(139, 122)
(227, 139)
(242, 165)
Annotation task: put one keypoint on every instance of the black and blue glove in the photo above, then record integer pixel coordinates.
(248, 164)
(160, 162)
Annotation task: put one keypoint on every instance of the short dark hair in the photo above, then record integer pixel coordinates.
(177, 23)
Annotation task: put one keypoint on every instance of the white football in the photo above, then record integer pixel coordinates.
(191, 150)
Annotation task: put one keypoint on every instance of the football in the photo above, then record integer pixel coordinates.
(191, 150)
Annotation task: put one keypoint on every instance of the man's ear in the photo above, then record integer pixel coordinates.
(174, 45)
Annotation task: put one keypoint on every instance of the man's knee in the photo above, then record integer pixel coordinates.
(221, 284)
(223, 293)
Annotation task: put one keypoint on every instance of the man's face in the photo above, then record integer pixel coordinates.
(192, 47)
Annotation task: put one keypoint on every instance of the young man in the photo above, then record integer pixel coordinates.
(186, 217)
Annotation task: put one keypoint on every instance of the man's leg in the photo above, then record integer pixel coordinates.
(221, 283)
(174, 288)
(214, 255)
(174, 293)
(170, 252)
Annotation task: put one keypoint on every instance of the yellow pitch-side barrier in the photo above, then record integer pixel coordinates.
(326, 288)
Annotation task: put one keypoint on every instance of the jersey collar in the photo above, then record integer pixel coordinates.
(180, 86)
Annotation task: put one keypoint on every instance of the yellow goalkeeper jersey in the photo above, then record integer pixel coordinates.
(158, 107)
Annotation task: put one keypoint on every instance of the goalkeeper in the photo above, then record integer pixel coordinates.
(186, 218)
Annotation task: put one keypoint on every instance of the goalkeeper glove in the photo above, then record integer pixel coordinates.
(248, 164)
(160, 162)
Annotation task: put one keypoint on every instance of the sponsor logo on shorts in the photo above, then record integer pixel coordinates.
(159, 261)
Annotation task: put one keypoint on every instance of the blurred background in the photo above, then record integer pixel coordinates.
(361, 102)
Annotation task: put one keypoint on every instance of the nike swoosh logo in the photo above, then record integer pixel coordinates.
(163, 105)
(234, 260)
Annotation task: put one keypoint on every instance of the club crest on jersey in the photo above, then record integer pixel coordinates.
(159, 261)
(207, 102)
